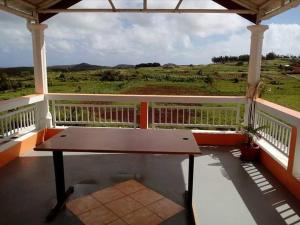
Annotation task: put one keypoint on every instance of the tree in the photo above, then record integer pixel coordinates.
(271, 56)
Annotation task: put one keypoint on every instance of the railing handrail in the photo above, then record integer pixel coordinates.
(20, 101)
(275, 120)
(146, 98)
(288, 115)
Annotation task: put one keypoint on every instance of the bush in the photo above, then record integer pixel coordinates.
(200, 72)
(6, 84)
(110, 75)
(235, 80)
(240, 63)
(209, 80)
(62, 77)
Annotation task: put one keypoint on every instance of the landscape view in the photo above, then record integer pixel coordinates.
(226, 75)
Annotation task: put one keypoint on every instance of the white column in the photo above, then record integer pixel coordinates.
(257, 37)
(254, 67)
(40, 72)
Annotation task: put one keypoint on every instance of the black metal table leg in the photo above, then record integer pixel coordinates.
(191, 181)
(61, 194)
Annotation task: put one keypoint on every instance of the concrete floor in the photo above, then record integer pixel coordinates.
(226, 191)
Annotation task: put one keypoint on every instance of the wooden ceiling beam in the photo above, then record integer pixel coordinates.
(55, 11)
(64, 4)
(247, 4)
(178, 4)
(234, 6)
(112, 5)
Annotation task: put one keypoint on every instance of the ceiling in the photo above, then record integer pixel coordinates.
(252, 10)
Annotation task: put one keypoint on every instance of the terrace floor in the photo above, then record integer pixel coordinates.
(226, 191)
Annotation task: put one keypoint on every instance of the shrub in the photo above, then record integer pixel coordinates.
(235, 80)
(240, 63)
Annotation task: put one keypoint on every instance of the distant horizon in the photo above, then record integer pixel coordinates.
(103, 65)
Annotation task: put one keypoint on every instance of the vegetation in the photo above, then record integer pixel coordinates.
(226, 78)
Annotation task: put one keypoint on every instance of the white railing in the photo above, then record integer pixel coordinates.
(19, 115)
(93, 114)
(92, 109)
(276, 133)
(18, 121)
(205, 117)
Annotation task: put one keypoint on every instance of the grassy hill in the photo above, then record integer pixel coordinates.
(212, 79)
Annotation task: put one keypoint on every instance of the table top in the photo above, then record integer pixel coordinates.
(122, 140)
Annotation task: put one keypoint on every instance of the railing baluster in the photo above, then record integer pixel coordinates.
(166, 112)
(153, 116)
(110, 114)
(177, 119)
(134, 116)
(99, 114)
(76, 113)
(189, 116)
(94, 115)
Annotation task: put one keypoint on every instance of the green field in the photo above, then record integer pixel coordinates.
(212, 79)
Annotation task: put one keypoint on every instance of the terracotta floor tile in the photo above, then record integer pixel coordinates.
(82, 204)
(142, 217)
(146, 196)
(118, 222)
(129, 187)
(107, 195)
(98, 216)
(123, 206)
(165, 208)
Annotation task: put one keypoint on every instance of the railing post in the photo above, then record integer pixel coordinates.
(294, 160)
(292, 149)
(144, 115)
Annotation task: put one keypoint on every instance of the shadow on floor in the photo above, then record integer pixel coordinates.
(27, 184)
(264, 197)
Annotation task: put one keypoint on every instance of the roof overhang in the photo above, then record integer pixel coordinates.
(252, 10)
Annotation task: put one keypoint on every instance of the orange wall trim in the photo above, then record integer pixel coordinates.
(219, 139)
(286, 178)
(20, 147)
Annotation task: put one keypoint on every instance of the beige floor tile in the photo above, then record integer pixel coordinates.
(98, 216)
(107, 195)
(118, 222)
(165, 208)
(142, 217)
(146, 196)
(82, 204)
(129, 187)
(123, 206)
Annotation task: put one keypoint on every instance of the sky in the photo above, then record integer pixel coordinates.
(112, 39)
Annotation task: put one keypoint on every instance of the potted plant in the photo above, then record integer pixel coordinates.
(249, 149)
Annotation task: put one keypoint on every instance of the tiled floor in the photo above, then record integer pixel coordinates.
(225, 190)
(127, 202)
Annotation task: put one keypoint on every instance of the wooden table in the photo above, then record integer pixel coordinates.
(116, 140)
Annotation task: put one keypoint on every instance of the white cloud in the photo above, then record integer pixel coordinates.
(110, 39)
(283, 39)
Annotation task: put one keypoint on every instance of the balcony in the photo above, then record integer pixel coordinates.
(265, 192)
